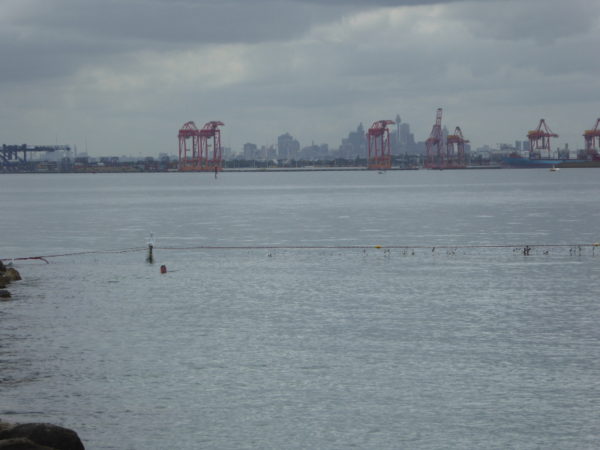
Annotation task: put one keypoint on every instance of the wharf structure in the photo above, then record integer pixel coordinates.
(17, 158)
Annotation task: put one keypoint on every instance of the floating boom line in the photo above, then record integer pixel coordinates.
(525, 248)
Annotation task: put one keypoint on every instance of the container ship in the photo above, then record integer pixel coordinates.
(539, 142)
(520, 162)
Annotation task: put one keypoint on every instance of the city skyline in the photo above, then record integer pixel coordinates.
(353, 145)
(124, 76)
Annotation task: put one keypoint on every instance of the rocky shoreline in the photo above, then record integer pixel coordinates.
(32, 436)
(7, 276)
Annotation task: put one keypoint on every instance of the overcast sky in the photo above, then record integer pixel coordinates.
(122, 76)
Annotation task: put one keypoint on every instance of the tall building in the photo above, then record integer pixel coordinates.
(355, 145)
(407, 139)
(398, 128)
(314, 152)
(403, 141)
(287, 147)
(250, 151)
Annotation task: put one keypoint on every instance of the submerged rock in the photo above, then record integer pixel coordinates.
(12, 274)
(4, 294)
(42, 434)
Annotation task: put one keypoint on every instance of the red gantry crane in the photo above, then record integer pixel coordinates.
(592, 142)
(539, 139)
(455, 150)
(205, 152)
(210, 146)
(188, 156)
(378, 137)
(434, 158)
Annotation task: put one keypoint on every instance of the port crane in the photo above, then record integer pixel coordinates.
(210, 146)
(379, 153)
(204, 152)
(434, 157)
(592, 141)
(455, 149)
(539, 139)
(188, 155)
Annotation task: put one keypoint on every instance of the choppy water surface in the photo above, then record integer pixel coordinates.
(305, 348)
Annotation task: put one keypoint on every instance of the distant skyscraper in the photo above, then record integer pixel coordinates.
(406, 137)
(287, 147)
(355, 144)
(250, 151)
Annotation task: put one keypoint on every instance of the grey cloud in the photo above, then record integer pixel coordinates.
(485, 64)
(43, 56)
(378, 3)
(538, 20)
(55, 37)
(173, 22)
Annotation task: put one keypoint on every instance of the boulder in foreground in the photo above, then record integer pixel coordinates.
(21, 444)
(42, 434)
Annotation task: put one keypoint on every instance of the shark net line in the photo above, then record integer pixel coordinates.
(581, 249)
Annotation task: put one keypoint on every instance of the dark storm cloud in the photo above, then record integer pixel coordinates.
(40, 39)
(52, 38)
(173, 22)
(163, 22)
(48, 55)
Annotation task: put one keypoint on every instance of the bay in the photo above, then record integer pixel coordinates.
(436, 345)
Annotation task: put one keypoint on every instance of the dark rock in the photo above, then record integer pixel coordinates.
(2, 267)
(52, 436)
(12, 274)
(4, 280)
(4, 293)
(21, 444)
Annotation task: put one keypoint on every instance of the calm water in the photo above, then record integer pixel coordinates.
(305, 348)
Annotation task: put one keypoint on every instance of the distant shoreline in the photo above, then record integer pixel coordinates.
(253, 169)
